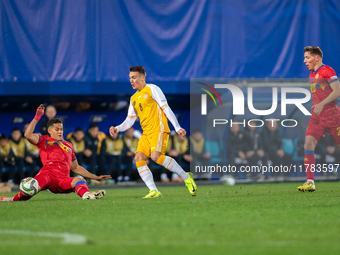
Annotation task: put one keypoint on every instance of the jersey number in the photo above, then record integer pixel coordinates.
(338, 128)
(140, 107)
(313, 87)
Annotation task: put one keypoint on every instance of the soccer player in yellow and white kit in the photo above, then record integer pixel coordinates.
(150, 104)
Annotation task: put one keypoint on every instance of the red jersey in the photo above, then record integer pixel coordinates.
(57, 154)
(320, 81)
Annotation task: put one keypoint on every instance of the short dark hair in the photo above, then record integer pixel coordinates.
(197, 130)
(15, 129)
(313, 50)
(53, 121)
(138, 69)
(3, 137)
(93, 126)
(79, 129)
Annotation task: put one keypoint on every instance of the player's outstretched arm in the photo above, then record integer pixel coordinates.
(34, 138)
(128, 122)
(75, 167)
(159, 97)
(171, 116)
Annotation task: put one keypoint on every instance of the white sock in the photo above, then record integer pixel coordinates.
(310, 180)
(146, 175)
(86, 193)
(174, 176)
(171, 164)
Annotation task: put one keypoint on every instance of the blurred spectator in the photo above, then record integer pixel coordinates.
(32, 154)
(236, 146)
(101, 136)
(6, 156)
(91, 147)
(77, 140)
(130, 146)
(198, 152)
(178, 149)
(273, 146)
(253, 146)
(19, 149)
(111, 153)
(50, 113)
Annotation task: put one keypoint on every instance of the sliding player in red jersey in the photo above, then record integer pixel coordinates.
(325, 88)
(57, 156)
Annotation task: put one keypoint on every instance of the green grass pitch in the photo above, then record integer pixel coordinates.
(240, 219)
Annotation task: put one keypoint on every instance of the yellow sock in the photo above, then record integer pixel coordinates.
(160, 160)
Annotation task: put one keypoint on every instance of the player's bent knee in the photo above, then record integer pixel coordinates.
(139, 156)
(309, 146)
(310, 143)
(78, 179)
(75, 180)
(154, 157)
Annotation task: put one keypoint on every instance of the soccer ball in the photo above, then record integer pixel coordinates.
(29, 186)
(228, 180)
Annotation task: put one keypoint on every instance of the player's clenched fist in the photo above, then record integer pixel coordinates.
(40, 112)
(113, 130)
(182, 132)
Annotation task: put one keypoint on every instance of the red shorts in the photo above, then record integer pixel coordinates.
(317, 128)
(48, 179)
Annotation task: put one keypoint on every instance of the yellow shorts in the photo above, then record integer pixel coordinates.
(157, 141)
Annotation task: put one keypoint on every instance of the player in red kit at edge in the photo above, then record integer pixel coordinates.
(325, 88)
(57, 156)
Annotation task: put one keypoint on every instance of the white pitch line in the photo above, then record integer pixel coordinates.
(67, 238)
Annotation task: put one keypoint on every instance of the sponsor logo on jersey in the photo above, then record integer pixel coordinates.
(60, 144)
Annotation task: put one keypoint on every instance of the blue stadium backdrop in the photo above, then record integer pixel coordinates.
(88, 40)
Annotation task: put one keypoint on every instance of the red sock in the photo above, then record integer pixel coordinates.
(309, 164)
(21, 197)
(81, 188)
